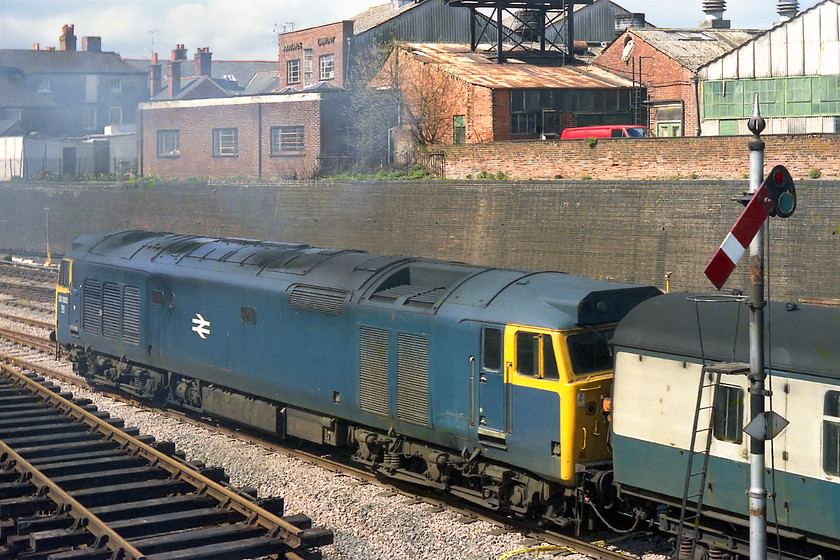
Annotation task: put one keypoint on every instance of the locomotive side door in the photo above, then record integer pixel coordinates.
(492, 397)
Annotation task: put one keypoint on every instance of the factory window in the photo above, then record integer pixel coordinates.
(287, 141)
(491, 352)
(307, 67)
(729, 414)
(831, 433)
(225, 142)
(248, 315)
(535, 355)
(459, 128)
(293, 71)
(327, 64)
(169, 143)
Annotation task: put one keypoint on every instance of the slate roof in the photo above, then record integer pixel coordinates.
(14, 94)
(475, 68)
(693, 48)
(66, 62)
(242, 70)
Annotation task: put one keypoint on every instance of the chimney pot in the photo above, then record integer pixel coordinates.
(36, 46)
(67, 39)
(202, 61)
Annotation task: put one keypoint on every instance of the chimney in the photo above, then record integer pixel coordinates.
(36, 46)
(67, 39)
(174, 78)
(787, 9)
(202, 62)
(92, 44)
(179, 53)
(714, 15)
(155, 86)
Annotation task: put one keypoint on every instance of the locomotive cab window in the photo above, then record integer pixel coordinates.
(729, 414)
(535, 355)
(831, 433)
(64, 274)
(589, 352)
(491, 350)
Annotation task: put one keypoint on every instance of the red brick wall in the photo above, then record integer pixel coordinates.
(195, 123)
(711, 157)
(663, 77)
(324, 39)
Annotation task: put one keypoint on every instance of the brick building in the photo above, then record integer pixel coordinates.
(315, 54)
(269, 136)
(469, 98)
(665, 62)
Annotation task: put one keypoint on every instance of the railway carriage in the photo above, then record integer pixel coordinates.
(485, 382)
(661, 348)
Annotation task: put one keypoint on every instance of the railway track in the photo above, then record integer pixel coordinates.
(74, 485)
(540, 538)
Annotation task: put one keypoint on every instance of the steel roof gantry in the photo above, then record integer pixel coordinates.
(538, 8)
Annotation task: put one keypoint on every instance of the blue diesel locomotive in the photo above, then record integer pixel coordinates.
(487, 383)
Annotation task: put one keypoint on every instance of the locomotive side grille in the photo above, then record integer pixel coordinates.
(413, 379)
(131, 315)
(373, 370)
(318, 299)
(111, 310)
(92, 307)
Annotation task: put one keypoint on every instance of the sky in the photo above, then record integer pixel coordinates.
(247, 29)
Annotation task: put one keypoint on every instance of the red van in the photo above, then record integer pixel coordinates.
(606, 131)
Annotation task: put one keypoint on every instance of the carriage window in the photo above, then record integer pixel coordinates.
(535, 355)
(729, 414)
(590, 352)
(831, 433)
(248, 315)
(491, 357)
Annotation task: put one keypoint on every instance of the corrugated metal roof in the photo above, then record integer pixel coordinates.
(475, 68)
(693, 48)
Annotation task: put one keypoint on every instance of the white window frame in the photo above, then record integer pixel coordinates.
(89, 116)
(326, 63)
(293, 71)
(225, 142)
(287, 140)
(169, 143)
(115, 112)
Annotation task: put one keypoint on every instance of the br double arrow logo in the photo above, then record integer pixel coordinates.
(201, 326)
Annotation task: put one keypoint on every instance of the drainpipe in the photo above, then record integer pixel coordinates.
(697, 102)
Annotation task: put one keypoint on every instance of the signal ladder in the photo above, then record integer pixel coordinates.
(695, 480)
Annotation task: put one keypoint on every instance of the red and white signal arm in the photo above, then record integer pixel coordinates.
(775, 197)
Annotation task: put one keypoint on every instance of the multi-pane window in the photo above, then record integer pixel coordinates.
(287, 140)
(307, 67)
(225, 142)
(327, 64)
(44, 85)
(116, 86)
(169, 143)
(459, 128)
(729, 414)
(293, 71)
(115, 115)
(831, 433)
(535, 355)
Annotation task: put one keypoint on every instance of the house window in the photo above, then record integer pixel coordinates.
(327, 63)
(287, 140)
(226, 142)
(169, 143)
(729, 414)
(115, 115)
(89, 117)
(293, 71)
(116, 86)
(45, 85)
(307, 67)
(831, 433)
(459, 126)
